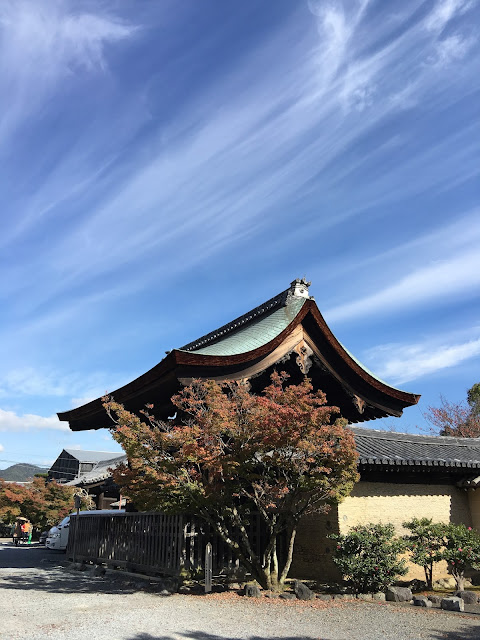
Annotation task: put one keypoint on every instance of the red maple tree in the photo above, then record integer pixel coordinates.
(43, 503)
(460, 419)
(281, 454)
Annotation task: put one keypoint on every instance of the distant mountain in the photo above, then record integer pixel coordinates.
(21, 472)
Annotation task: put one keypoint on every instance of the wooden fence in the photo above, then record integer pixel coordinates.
(151, 542)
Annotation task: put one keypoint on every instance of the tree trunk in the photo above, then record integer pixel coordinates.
(429, 575)
(459, 579)
(271, 577)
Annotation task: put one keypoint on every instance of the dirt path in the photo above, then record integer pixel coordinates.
(39, 599)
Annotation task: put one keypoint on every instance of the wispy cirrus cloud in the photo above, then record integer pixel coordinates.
(441, 280)
(444, 11)
(13, 422)
(401, 363)
(445, 266)
(226, 167)
(29, 381)
(328, 129)
(43, 44)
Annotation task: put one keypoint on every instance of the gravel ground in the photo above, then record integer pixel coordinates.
(41, 599)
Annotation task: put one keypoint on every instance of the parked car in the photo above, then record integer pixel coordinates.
(57, 538)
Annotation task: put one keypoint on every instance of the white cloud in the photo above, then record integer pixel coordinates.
(10, 421)
(439, 280)
(29, 381)
(43, 42)
(451, 49)
(444, 11)
(400, 363)
(2, 448)
(236, 154)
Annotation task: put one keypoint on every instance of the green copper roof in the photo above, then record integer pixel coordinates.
(257, 333)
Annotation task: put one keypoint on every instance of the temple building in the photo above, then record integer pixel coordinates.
(90, 470)
(401, 475)
(286, 333)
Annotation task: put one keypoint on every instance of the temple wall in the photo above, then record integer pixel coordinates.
(474, 503)
(380, 502)
(312, 558)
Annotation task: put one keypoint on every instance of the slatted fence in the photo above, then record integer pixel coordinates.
(149, 542)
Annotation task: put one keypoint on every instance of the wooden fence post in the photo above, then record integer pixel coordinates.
(208, 568)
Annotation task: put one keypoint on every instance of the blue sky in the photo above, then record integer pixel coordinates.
(166, 166)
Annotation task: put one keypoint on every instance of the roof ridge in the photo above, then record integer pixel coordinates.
(91, 451)
(280, 300)
(410, 437)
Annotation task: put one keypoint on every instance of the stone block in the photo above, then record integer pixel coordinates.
(421, 601)
(364, 596)
(399, 594)
(452, 604)
(379, 596)
(435, 599)
(445, 583)
(252, 591)
(469, 597)
(302, 591)
(324, 596)
(288, 596)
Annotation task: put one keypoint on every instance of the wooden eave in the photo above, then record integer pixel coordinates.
(162, 381)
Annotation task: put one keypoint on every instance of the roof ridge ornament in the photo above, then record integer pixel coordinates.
(299, 288)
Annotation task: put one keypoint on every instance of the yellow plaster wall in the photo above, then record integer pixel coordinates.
(474, 504)
(391, 502)
(379, 502)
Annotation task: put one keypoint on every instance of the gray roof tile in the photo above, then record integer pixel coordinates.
(92, 456)
(99, 472)
(404, 449)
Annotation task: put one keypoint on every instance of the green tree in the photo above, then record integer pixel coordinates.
(425, 543)
(473, 399)
(461, 550)
(367, 557)
(281, 454)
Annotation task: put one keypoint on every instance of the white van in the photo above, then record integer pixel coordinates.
(58, 536)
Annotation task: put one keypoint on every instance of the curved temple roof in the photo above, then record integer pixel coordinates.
(288, 325)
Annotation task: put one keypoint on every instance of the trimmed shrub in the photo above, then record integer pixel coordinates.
(425, 542)
(367, 556)
(461, 550)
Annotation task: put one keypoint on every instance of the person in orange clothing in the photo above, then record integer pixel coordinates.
(25, 530)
